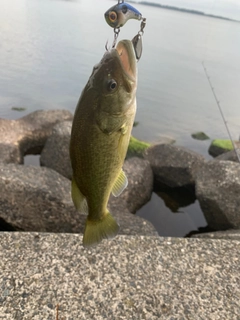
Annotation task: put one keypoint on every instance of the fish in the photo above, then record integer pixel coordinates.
(119, 14)
(100, 135)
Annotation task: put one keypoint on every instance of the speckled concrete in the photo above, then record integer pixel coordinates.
(228, 235)
(126, 278)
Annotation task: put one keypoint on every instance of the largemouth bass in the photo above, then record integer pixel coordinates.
(100, 136)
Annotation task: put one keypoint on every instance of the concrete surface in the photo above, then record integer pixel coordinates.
(130, 277)
(228, 235)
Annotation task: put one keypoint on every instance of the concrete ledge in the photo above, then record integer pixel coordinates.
(227, 235)
(130, 277)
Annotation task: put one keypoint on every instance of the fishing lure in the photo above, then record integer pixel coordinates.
(119, 14)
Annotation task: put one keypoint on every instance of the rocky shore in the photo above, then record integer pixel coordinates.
(45, 273)
(38, 198)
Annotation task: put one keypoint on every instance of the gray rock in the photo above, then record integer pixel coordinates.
(174, 166)
(10, 153)
(227, 235)
(28, 134)
(38, 199)
(165, 139)
(55, 154)
(229, 156)
(218, 192)
(139, 189)
(133, 225)
(38, 127)
(136, 277)
(10, 134)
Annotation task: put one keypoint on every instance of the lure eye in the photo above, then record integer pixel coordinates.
(124, 9)
(112, 85)
(112, 16)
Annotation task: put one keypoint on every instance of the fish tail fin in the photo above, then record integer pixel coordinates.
(97, 230)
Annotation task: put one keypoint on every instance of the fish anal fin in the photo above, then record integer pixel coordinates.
(97, 230)
(120, 184)
(78, 198)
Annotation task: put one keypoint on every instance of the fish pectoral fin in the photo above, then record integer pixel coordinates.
(97, 230)
(124, 128)
(120, 184)
(78, 198)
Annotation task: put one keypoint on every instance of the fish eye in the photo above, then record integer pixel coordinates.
(112, 85)
(124, 9)
(112, 16)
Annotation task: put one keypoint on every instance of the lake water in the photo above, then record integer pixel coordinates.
(48, 49)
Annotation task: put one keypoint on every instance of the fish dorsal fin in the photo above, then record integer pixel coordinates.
(120, 184)
(78, 198)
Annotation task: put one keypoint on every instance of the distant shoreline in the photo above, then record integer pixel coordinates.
(200, 13)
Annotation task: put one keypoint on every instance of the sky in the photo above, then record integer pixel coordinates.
(226, 8)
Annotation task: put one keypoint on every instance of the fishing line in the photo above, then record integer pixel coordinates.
(212, 88)
(205, 49)
(220, 109)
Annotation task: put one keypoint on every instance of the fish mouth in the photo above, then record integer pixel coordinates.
(127, 58)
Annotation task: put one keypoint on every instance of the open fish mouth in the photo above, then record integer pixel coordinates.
(127, 57)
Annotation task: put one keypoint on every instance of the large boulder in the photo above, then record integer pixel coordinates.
(174, 166)
(38, 199)
(28, 134)
(218, 192)
(10, 135)
(229, 156)
(55, 154)
(10, 152)
(139, 189)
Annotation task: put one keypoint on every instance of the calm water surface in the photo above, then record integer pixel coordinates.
(48, 49)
